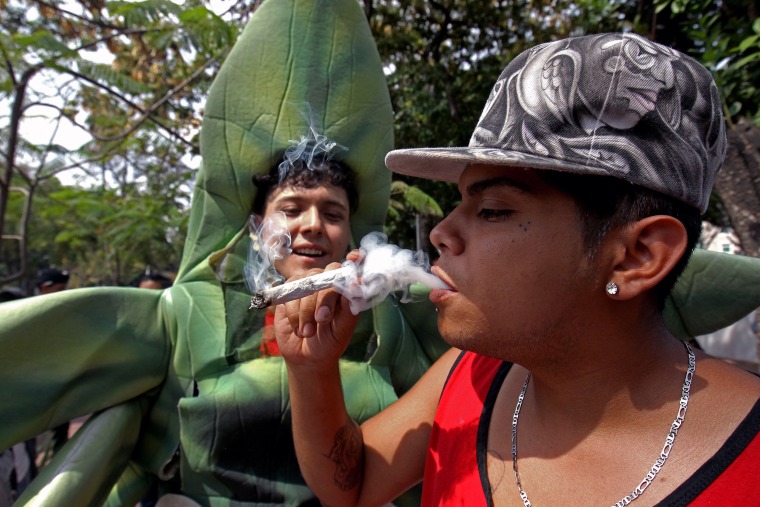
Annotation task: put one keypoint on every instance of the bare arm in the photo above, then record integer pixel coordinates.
(396, 440)
(343, 463)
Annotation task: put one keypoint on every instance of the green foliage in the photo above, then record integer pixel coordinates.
(105, 74)
(407, 201)
(140, 14)
(442, 59)
(44, 43)
(140, 107)
(204, 29)
(103, 237)
(414, 199)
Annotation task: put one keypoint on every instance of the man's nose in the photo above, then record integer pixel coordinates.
(445, 237)
(311, 220)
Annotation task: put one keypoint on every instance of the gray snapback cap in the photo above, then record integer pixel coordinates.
(609, 104)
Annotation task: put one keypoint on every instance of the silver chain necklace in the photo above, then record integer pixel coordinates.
(659, 462)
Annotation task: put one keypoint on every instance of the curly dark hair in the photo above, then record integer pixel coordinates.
(319, 171)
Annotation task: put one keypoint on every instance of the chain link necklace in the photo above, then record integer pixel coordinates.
(659, 462)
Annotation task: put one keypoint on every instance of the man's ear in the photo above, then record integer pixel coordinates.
(645, 252)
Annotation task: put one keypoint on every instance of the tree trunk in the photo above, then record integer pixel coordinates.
(738, 185)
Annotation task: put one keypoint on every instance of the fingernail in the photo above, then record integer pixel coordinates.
(323, 314)
(308, 329)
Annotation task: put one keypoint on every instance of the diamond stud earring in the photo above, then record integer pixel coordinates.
(611, 288)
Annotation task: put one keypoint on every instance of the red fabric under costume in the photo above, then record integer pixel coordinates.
(269, 345)
(455, 471)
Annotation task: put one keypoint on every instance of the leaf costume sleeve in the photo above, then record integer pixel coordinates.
(77, 352)
(73, 353)
(715, 290)
(179, 373)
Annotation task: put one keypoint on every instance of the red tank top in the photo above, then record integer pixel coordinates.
(455, 470)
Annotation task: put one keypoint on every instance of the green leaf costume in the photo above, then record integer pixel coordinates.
(174, 379)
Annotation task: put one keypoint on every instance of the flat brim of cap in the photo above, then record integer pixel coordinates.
(447, 164)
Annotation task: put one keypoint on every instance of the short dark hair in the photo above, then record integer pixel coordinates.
(164, 281)
(50, 276)
(320, 171)
(606, 203)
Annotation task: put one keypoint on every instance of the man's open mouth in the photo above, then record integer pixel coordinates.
(309, 252)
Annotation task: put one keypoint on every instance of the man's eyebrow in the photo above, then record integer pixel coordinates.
(499, 181)
(337, 203)
(298, 199)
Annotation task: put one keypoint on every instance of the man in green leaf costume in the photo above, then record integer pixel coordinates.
(175, 379)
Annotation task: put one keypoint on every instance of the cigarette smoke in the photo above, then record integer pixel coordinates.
(270, 241)
(382, 270)
(301, 153)
(385, 269)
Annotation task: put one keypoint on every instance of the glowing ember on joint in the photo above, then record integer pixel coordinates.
(298, 289)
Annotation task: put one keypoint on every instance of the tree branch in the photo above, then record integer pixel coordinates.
(89, 21)
(146, 114)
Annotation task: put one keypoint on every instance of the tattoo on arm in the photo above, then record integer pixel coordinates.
(346, 453)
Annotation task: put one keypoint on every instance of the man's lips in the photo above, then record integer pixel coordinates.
(437, 271)
(440, 295)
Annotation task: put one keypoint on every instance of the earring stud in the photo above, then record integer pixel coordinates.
(611, 288)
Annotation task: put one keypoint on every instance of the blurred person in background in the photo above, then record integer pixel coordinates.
(51, 280)
(152, 280)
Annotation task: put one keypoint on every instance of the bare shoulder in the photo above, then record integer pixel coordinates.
(420, 403)
(435, 378)
(721, 399)
(724, 375)
(724, 392)
(414, 412)
(395, 440)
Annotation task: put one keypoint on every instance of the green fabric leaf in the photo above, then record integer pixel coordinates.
(83, 471)
(75, 352)
(253, 111)
(86, 350)
(715, 290)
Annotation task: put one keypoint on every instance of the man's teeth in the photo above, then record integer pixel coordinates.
(309, 251)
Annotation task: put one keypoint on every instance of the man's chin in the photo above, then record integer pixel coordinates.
(455, 338)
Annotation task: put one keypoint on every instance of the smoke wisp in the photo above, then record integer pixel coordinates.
(270, 241)
(383, 268)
